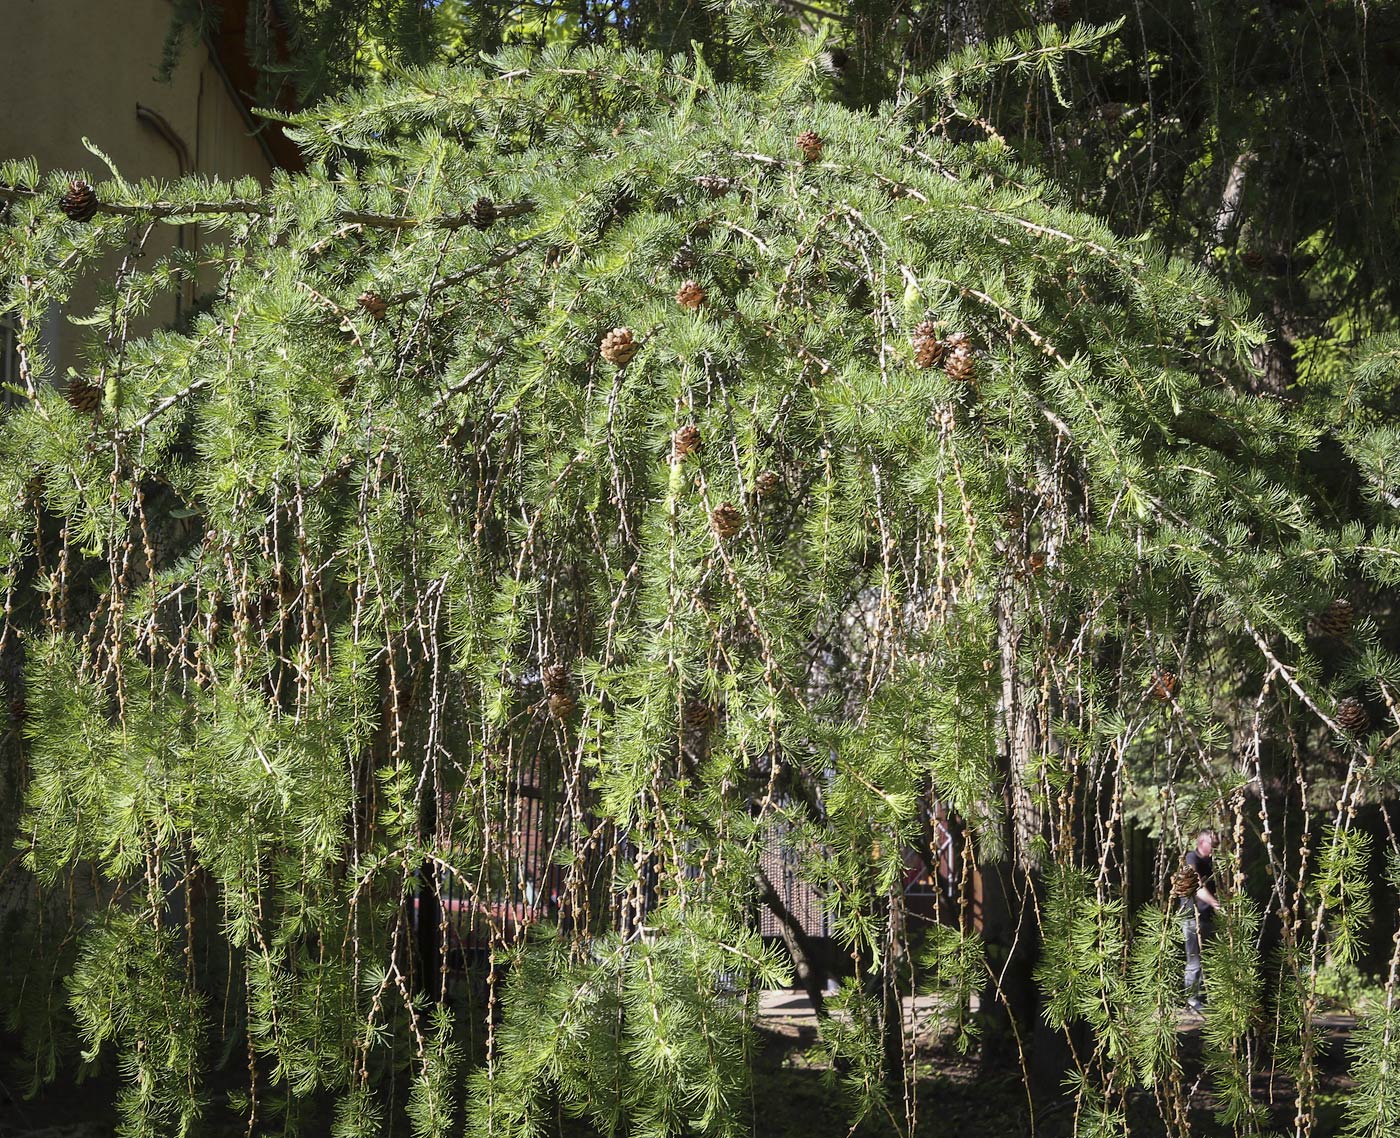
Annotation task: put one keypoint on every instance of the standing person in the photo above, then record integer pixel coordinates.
(1197, 905)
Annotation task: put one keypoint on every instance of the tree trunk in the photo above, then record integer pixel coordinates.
(809, 973)
(1011, 923)
(428, 912)
(1010, 928)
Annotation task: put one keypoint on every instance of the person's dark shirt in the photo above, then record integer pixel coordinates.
(1205, 870)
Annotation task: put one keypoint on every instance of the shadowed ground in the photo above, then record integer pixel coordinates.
(796, 1095)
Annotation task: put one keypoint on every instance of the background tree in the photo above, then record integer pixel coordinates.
(1260, 134)
(719, 461)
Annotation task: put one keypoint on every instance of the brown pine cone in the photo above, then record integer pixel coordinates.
(555, 678)
(699, 715)
(83, 396)
(374, 304)
(561, 704)
(1253, 260)
(686, 440)
(928, 348)
(1061, 11)
(483, 213)
(767, 484)
(715, 185)
(1163, 686)
(80, 202)
(618, 347)
(726, 520)
(1352, 715)
(1185, 882)
(685, 260)
(1337, 619)
(810, 143)
(960, 361)
(690, 295)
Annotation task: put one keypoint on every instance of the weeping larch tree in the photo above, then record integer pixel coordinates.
(717, 467)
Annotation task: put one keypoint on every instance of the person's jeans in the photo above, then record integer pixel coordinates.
(1194, 928)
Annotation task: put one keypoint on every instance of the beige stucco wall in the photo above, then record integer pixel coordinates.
(70, 68)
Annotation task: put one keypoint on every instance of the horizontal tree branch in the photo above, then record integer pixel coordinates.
(162, 210)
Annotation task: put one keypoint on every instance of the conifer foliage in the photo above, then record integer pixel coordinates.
(425, 524)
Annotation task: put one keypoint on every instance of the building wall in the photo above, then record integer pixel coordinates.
(75, 68)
